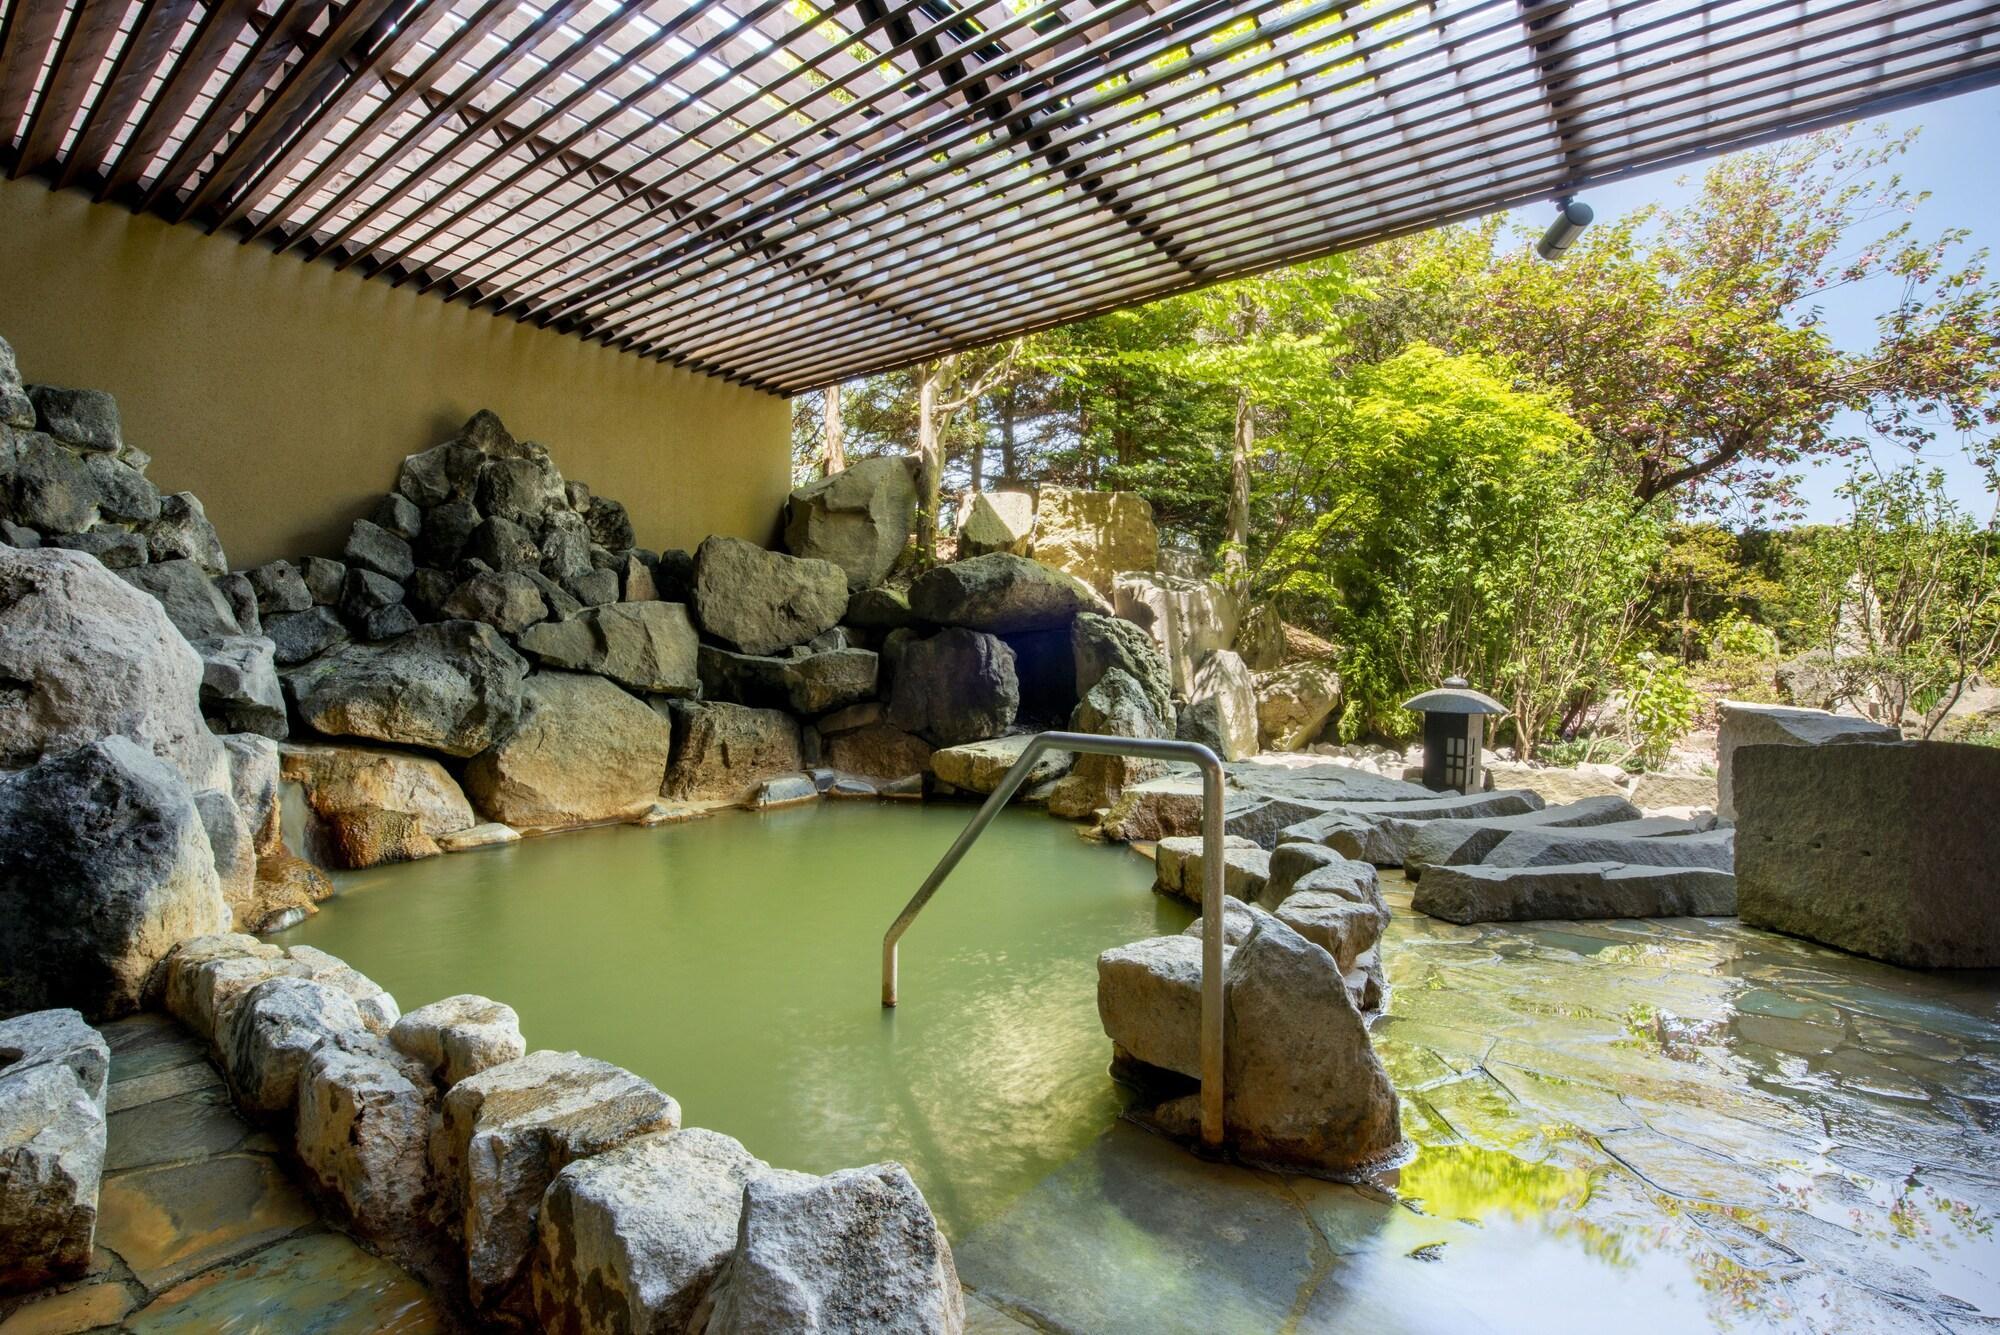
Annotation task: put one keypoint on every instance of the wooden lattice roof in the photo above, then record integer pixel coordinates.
(788, 193)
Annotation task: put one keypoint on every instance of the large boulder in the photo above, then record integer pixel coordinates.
(762, 602)
(506, 600)
(1884, 850)
(1102, 643)
(230, 844)
(87, 656)
(1617, 843)
(52, 1136)
(996, 521)
(724, 752)
(253, 782)
(857, 1250)
(1095, 534)
(630, 1240)
(584, 752)
(299, 637)
(1002, 593)
(957, 686)
(1221, 711)
(454, 687)
(648, 647)
(1115, 705)
(1746, 724)
(370, 806)
(1188, 618)
(978, 767)
(879, 751)
(1574, 891)
(239, 685)
(1303, 1087)
(182, 533)
(807, 684)
(1294, 702)
(859, 519)
(1450, 843)
(267, 1037)
(48, 488)
(84, 418)
(105, 866)
(506, 1132)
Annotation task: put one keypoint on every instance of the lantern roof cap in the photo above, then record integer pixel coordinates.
(1456, 696)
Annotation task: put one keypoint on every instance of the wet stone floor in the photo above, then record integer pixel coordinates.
(201, 1227)
(1668, 1125)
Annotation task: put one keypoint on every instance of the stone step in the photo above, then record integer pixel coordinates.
(1455, 842)
(1353, 828)
(1574, 891)
(1621, 843)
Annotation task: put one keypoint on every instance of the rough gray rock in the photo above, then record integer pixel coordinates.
(1320, 869)
(1102, 643)
(230, 845)
(324, 578)
(84, 655)
(631, 1239)
(266, 1038)
(878, 751)
(996, 521)
(453, 687)
(183, 533)
(859, 519)
(1344, 928)
(1116, 705)
(1444, 843)
(1715, 849)
(1574, 891)
(279, 588)
(1180, 870)
(50, 488)
(447, 531)
(522, 487)
(506, 600)
(957, 686)
(1003, 594)
(610, 527)
(386, 623)
(1883, 850)
(242, 600)
(363, 1132)
(857, 1250)
(762, 602)
(1303, 1085)
(370, 806)
(459, 1036)
(297, 637)
(647, 647)
(565, 545)
(253, 782)
(1779, 725)
(978, 767)
(506, 1132)
(1221, 710)
(85, 418)
(583, 752)
(115, 547)
(596, 588)
(52, 1137)
(809, 685)
(1342, 820)
(1294, 703)
(1189, 619)
(203, 978)
(399, 515)
(366, 592)
(16, 408)
(880, 608)
(442, 473)
(123, 493)
(723, 752)
(239, 685)
(375, 548)
(188, 596)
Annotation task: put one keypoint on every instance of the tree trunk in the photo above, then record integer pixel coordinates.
(836, 435)
(930, 467)
(1237, 534)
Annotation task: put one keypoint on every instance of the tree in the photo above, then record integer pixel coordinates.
(1690, 341)
(1456, 524)
(945, 386)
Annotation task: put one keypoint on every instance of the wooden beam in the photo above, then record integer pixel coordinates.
(78, 58)
(221, 24)
(24, 48)
(149, 44)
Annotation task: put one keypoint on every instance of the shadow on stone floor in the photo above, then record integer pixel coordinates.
(200, 1226)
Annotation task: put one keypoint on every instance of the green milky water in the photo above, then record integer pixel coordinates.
(735, 962)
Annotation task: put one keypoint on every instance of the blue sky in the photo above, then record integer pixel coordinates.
(1954, 159)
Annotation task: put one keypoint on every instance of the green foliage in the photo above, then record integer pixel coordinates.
(1457, 524)
(1904, 599)
(1662, 706)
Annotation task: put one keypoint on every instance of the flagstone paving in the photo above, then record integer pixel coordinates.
(200, 1225)
(1674, 1124)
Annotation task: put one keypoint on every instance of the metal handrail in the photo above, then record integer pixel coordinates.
(1144, 748)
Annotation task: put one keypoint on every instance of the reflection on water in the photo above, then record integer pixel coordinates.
(735, 962)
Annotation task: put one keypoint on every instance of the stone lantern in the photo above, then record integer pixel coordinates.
(1454, 734)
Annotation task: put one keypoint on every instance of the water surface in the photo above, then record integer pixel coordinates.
(735, 962)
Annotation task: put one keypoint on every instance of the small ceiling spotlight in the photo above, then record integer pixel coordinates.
(1571, 218)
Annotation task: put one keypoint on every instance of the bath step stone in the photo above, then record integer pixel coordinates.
(1662, 845)
(978, 767)
(1353, 829)
(1574, 891)
(491, 834)
(786, 790)
(1456, 842)
(1179, 868)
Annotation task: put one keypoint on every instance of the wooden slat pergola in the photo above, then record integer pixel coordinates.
(788, 193)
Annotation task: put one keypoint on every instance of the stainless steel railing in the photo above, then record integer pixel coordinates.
(1144, 748)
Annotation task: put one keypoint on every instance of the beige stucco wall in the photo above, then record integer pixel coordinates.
(284, 394)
